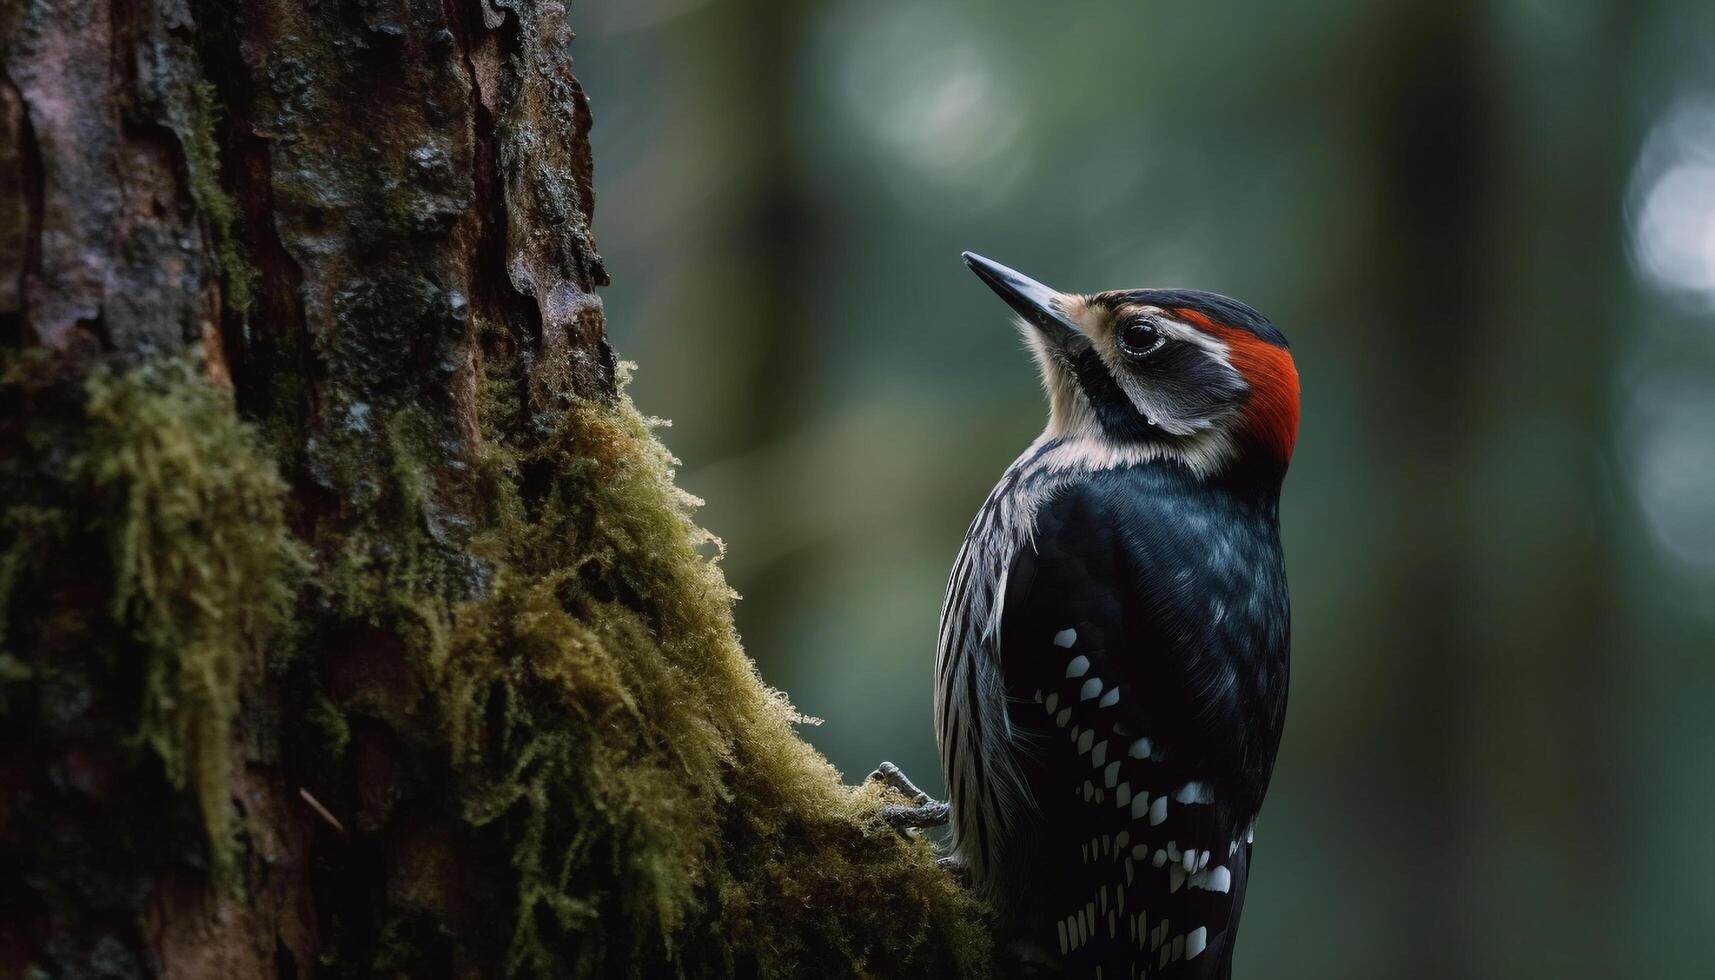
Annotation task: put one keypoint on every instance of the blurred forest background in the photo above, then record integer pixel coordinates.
(1488, 230)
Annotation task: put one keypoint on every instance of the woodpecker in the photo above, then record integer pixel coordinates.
(1111, 671)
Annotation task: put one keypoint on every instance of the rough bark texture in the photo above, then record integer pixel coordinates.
(350, 623)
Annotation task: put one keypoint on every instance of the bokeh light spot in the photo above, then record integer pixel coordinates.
(1673, 447)
(1673, 205)
(929, 94)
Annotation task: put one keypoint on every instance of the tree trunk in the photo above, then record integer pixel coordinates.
(352, 623)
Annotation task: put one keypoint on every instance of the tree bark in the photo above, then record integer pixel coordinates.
(352, 624)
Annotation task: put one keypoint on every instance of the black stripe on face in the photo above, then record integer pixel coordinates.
(1189, 384)
(1120, 418)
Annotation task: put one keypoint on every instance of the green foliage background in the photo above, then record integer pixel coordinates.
(1501, 519)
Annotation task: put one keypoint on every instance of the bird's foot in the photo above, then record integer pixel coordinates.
(889, 774)
(920, 810)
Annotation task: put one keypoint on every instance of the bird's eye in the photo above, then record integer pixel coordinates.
(1139, 338)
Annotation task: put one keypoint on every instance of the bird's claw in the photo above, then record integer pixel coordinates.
(920, 812)
(889, 774)
(931, 814)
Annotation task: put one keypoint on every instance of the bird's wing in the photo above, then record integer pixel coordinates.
(1145, 861)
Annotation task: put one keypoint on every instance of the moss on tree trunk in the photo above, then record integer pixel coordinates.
(352, 623)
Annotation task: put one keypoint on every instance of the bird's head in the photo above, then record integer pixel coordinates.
(1158, 374)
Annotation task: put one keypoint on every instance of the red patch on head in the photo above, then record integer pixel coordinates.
(1272, 411)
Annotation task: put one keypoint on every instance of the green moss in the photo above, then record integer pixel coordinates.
(605, 731)
(533, 709)
(155, 475)
(201, 561)
(663, 804)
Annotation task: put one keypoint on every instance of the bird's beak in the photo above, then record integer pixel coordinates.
(1041, 306)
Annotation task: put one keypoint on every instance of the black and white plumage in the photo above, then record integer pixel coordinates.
(1112, 662)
